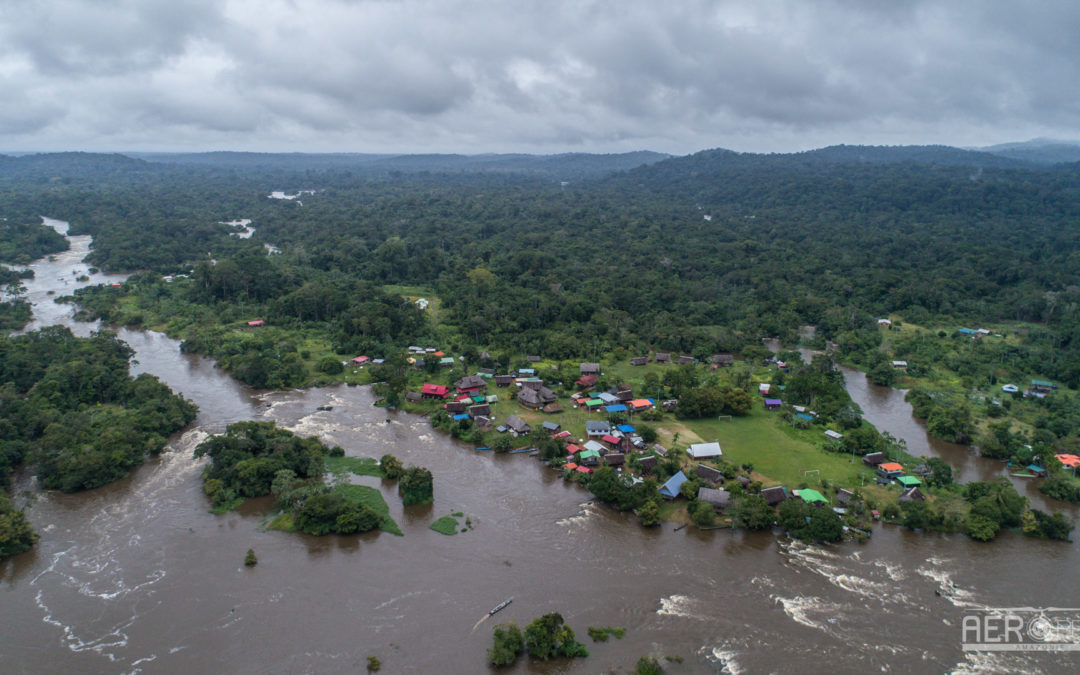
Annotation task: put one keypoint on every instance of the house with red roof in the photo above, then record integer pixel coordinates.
(434, 391)
(586, 381)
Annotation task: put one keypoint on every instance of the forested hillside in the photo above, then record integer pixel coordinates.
(696, 253)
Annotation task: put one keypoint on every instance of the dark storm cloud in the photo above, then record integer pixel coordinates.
(63, 37)
(472, 75)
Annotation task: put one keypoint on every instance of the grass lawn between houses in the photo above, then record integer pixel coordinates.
(781, 454)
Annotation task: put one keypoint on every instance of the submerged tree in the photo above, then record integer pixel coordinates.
(549, 636)
(416, 486)
(508, 644)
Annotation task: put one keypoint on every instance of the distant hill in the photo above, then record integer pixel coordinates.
(838, 178)
(942, 155)
(713, 164)
(1038, 151)
(67, 164)
(561, 167)
(290, 161)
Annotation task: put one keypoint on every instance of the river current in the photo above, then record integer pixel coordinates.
(138, 576)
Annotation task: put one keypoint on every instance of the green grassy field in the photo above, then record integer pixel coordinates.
(783, 455)
(447, 525)
(371, 497)
(360, 466)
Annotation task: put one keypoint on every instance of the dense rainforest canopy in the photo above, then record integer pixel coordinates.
(71, 410)
(679, 254)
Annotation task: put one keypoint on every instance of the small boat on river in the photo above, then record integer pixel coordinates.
(501, 606)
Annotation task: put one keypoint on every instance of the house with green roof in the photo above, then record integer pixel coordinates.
(589, 457)
(811, 496)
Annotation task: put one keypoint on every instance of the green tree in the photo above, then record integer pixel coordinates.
(16, 535)
(284, 481)
(416, 486)
(940, 473)
(549, 636)
(330, 365)
(917, 515)
(508, 644)
(981, 528)
(704, 516)
(391, 466)
(249, 559)
(649, 514)
(647, 665)
(752, 512)
(1047, 526)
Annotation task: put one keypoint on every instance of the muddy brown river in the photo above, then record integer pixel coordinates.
(139, 577)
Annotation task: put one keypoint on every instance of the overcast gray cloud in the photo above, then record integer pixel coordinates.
(532, 75)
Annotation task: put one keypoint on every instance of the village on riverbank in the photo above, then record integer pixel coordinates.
(782, 426)
(726, 458)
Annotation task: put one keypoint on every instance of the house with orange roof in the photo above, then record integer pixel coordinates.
(1068, 461)
(890, 470)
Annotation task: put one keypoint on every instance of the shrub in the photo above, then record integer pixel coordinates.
(330, 366)
(391, 467)
(649, 514)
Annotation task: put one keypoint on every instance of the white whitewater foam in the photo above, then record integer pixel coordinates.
(725, 658)
(578, 520)
(947, 588)
(838, 571)
(982, 663)
(683, 607)
(802, 610)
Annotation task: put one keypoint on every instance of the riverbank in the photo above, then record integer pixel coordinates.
(994, 390)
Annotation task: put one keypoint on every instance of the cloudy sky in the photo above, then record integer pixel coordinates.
(533, 75)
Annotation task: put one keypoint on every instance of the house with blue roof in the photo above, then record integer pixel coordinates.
(618, 407)
(670, 489)
(625, 428)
